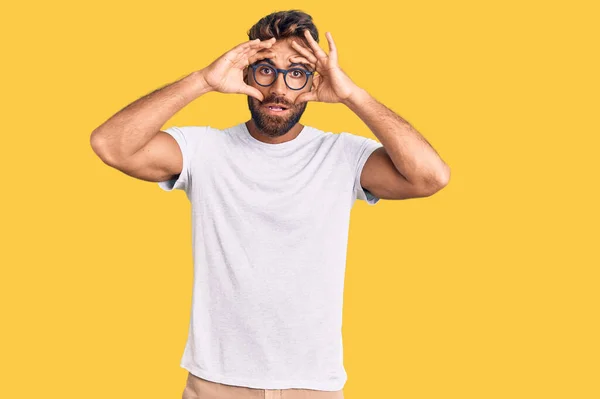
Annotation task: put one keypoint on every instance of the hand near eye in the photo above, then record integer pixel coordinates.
(226, 74)
(331, 84)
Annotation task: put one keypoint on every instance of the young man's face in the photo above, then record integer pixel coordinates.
(277, 123)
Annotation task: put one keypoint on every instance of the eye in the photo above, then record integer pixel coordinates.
(297, 73)
(265, 70)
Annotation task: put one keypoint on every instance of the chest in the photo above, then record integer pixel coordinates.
(282, 193)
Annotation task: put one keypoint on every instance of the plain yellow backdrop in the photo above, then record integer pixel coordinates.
(488, 289)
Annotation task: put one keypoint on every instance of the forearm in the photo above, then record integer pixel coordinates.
(132, 127)
(411, 154)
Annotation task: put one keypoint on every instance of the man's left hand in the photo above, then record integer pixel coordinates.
(331, 84)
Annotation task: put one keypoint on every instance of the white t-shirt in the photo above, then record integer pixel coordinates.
(270, 232)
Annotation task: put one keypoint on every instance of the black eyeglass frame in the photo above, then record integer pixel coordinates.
(277, 72)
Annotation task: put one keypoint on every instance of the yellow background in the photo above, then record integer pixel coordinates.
(488, 289)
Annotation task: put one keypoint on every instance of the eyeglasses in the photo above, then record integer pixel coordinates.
(294, 78)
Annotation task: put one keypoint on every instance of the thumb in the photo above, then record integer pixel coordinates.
(309, 96)
(251, 91)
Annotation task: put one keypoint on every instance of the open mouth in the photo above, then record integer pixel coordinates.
(276, 108)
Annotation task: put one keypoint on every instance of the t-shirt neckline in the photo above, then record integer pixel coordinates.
(301, 137)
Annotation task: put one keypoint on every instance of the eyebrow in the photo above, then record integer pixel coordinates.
(270, 61)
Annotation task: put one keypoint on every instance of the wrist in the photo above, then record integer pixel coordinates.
(358, 96)
(198, 83)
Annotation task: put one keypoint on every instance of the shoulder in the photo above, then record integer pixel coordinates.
(322, 137)
(196, 135)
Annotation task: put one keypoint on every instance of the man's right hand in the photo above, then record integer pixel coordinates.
(131, 141)
(226, 74)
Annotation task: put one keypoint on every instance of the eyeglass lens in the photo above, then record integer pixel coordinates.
(295, 78)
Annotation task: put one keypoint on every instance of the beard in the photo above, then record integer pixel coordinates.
(275, 125)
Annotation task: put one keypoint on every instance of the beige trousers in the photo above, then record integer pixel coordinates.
(199, 388)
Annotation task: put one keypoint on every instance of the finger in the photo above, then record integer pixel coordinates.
(314, 45)
(305, 52)
(251, 45)
(261, 55)
(244, 46)
(237, 55)
(266, 45)
(251, 91)
(332, 48)
(305, 97)
(254, 48)
(311, 65)
(258, 44)
(243, 57)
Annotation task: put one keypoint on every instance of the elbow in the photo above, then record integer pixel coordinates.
(441, 180)
(95, 141)
(444, 176)
(100, 148)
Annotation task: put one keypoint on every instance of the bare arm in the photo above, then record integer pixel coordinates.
(407, 166)
(130, 132)
(132, 141)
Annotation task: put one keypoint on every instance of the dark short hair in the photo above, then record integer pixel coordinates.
(284, 24)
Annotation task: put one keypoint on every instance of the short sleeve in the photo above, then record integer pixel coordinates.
(357, 150)
(187, 137)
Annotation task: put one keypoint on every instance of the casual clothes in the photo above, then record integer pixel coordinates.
(269, 232)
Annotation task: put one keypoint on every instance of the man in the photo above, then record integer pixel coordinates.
(271, 200)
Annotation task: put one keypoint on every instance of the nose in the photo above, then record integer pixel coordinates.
(279, 86)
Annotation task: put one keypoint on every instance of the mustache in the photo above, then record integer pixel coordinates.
(276, 101)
